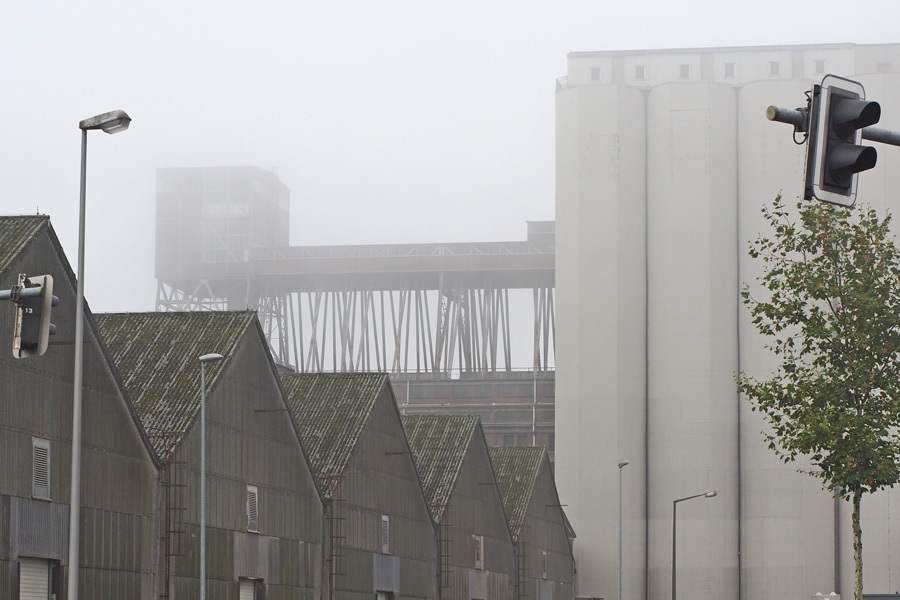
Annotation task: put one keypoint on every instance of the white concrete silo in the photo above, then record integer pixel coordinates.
(601, 400)
(692, 338)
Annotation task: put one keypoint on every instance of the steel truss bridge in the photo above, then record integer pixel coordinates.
(403, 308)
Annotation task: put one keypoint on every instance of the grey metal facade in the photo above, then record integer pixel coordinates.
(474, 543)
(381, 479)
(251, 441)
(516, 408)
(381, 537)
(542, 532)
(119, 526)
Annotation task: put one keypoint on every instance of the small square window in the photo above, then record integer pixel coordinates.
(729, 69)
(820, 66)
(252, 509)
(595, 73)
(684, 71)
(40, 468)
(385, 534)
(774, 68)
(640, 73)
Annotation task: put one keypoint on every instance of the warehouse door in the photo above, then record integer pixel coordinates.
(248, 589)
(34, 579)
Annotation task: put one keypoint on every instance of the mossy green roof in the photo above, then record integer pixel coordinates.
(439, 444)
(15, 232)
(156, 356)
(516, 468)
(331, 410)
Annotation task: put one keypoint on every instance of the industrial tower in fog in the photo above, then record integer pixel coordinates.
(664, 160)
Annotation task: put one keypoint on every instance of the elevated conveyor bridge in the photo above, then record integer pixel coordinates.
(402, 308)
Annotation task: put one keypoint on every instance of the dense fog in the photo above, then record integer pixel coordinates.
(390, 122)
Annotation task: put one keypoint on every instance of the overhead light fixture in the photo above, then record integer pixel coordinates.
(110, 122)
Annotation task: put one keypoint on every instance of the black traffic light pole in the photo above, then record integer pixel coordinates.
(799, 118)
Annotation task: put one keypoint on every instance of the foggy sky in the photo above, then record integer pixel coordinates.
(390, 121)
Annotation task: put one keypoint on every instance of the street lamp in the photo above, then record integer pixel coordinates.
(622, 464)
(203, 360)
(111, 122)
(674, 509)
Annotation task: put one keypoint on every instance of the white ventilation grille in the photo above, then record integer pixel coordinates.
(40, 478)
(479, 551)
(385, 534)
(252, 509)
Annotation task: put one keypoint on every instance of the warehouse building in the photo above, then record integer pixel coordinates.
(381, 537)
(475, 547)
(540, 528)
(119, 495)
(264, 526)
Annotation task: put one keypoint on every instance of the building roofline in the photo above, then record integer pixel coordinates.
(710, 49)
(91, 325)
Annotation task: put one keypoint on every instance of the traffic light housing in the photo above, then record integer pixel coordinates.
(838, 112)
(33, 311)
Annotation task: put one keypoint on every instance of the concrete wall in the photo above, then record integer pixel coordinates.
(692, 336)
(601, 320)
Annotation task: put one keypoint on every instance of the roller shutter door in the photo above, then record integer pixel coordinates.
(248, 589)
(34, 579)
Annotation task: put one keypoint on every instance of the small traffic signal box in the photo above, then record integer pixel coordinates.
(34, 300)
(837, 115)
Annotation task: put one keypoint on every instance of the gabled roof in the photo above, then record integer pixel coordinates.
(331, 410)
(156, 355)
(439, 444)
(517, 469)
(15, 232)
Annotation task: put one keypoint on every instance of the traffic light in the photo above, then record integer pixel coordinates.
(838, 112)
(34, 300)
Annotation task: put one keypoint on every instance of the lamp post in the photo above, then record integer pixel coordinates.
(111, 122)
(709, 494)
(622, 464)
(203, 360)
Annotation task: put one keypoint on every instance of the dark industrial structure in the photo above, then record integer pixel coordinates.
(449, 322)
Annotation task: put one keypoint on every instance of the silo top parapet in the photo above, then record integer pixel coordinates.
(728, 65)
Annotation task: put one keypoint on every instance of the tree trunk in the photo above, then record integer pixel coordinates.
(857, 543)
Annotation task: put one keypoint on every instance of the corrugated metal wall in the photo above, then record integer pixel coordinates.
(377, 483)
(118, 531)
(250, 441)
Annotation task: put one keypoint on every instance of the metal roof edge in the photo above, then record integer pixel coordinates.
(284, 400)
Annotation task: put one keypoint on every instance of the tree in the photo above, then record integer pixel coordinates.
(832, 319)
